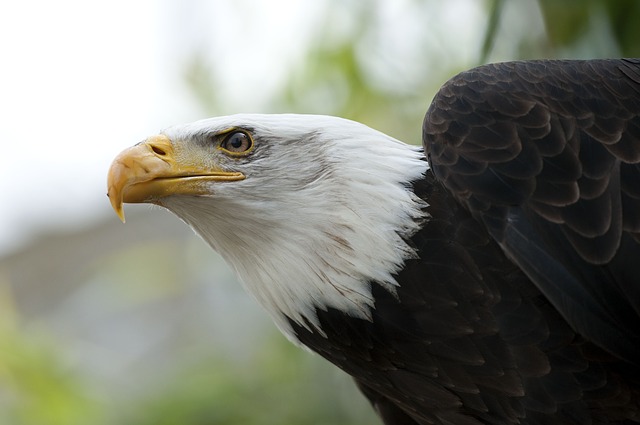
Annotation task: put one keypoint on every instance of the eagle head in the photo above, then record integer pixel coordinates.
(309, 211)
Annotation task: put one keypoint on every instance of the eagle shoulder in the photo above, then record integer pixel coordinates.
(546, 154)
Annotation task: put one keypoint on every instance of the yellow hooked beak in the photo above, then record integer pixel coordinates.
(150, 171)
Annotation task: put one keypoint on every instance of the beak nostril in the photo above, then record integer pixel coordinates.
(158, 151)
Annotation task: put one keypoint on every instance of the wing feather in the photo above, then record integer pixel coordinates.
(547, 155)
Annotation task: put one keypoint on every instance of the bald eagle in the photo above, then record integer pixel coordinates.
(491, 276)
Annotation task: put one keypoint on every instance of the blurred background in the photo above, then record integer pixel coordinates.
(104, 323)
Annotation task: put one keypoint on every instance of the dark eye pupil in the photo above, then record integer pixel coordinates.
(237, 140)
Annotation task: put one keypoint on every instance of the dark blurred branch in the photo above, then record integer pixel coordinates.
(493, 22)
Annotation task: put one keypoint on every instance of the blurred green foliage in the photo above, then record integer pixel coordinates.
(569, 21)
(279, 383)
(36, 386)
(338, 70)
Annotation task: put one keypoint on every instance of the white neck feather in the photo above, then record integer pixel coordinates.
(312, 228)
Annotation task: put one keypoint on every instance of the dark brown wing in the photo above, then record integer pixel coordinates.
(547, 155)
(469, 340)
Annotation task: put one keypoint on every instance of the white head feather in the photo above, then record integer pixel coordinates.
(322, 213)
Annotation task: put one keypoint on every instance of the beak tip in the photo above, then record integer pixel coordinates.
(116, 204)
(117, 207)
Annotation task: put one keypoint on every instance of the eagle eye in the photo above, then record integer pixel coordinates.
(237, 142)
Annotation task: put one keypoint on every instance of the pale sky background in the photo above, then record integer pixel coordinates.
(82, 80)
